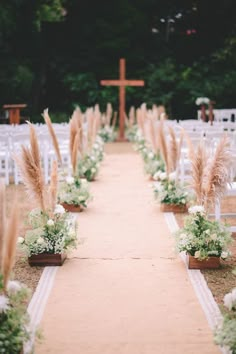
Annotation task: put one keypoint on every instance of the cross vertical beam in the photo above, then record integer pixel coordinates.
(122, 101)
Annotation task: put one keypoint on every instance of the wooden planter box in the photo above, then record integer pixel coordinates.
(72, 208)
(46, 259)
(210, 263)
(174, 208)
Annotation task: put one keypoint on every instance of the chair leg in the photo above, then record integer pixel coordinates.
(7, 171)
(217, 210)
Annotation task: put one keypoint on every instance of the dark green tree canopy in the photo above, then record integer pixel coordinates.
(55, 52)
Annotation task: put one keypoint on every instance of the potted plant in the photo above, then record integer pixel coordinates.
(49, 237)
(73, 193)
(131, 125)
(153, 164)
(88, 167)
(168, 191)
(88, 145)
(107, 128)
(206, 241)
(172, 195)
(225, 334)
(51, 230)
(14, 296)
(107, 133)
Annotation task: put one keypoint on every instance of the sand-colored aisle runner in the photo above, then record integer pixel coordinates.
(124, 291)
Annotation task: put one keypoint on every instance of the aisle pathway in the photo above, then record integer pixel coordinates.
(124, 291)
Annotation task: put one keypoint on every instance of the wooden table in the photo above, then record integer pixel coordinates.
(14, 112)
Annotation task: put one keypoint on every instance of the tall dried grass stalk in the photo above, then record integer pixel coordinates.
(126, 120)
(53, 186)
(198, 164)
(34, 145)
(217, 173)
(181, 140)
(153, 136)
(74, 156)
(10, 241)
(140, 121)
(132, 116)
(190, 146)
(48, 121)
(73, 133)
(173, 150)
(109, 114)
(114, 119)
(2, 218)
(31, 171)
(163, 146)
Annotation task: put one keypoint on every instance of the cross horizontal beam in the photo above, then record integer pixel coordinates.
(122, 83)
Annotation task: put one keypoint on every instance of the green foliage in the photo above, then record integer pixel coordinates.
(225, 336)
(170, 192)
(55, 52)
(49, 232)
(74, 191)
(89, 164)
(50, 11)
(202, 238)
(107, 133)
(14, 318)
(161, 83)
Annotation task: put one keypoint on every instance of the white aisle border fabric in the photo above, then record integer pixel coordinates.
(39, 299)
(199, 284)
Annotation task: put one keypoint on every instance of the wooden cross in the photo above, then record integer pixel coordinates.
(122, 83)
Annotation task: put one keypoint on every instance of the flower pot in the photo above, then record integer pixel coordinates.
(72, 208)
(174, 208)
(210, 263)
(47, 259)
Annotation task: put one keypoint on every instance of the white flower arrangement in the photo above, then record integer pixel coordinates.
(225, 334)
(153, 163)
(76, 192)
(14, 320)
(202, 100)
(203, 238)
(131, 133)
(49, 232)
(107, 133)
(230, 300)
(4, 304)
(197, 209)
(89, 164)
(170, 192)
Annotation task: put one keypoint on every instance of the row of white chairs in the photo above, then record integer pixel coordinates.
(10, 146)
(221, 114)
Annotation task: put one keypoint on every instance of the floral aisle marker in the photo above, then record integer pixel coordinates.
(91, 145)
(131, 125)
(73, 192)
(225, 334)
(51, 231)
(206, 241)
(107, 129)
(14, 296)
(173, 196)
(146, 142)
